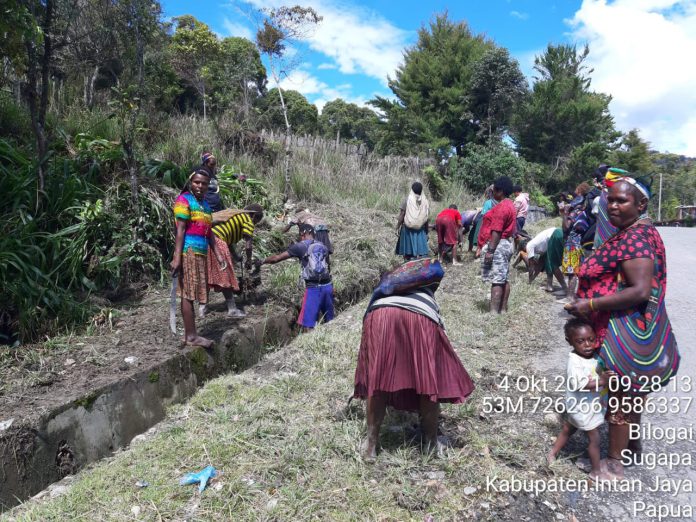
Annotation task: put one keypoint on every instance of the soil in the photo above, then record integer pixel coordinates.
(37, 378)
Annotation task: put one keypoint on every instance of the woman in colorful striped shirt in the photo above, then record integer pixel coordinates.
(193, 237)
(226, 235)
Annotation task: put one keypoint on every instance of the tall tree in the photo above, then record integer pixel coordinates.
(238, 76)
(432, 88)
(194, 48)
(561, 113)
(280, 27)
(497, 85)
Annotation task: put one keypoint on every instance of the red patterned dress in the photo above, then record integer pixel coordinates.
(598, 274)
(597, 277)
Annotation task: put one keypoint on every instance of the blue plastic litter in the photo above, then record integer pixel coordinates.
(201, 478)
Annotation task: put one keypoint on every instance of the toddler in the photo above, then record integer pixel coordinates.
(585, 391)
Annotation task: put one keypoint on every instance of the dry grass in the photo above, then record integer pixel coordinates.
(287, 441)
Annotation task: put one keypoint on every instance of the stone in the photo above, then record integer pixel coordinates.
(69, 362)
(130, 360)
(135, 510)
(6, 424)
(469, 490)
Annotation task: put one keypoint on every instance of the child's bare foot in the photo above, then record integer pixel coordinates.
(199, 341)
(368, 450)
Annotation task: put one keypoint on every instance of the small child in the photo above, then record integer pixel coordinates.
(585, 389)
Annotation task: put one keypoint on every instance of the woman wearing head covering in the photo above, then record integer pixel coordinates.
(619, 278)
(209, 164)
(407, 362)
(412, 224)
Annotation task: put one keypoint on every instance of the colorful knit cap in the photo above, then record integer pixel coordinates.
(205, 157)
(613, 175)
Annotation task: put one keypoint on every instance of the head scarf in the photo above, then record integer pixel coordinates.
(417, 210)
(205, 157)
(613, 175)
(640, 186)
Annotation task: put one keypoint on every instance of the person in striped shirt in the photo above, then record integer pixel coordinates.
(226, 235)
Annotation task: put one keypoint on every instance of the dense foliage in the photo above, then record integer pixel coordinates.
(99, 110)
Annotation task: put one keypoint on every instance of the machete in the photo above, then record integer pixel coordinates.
(172, 304)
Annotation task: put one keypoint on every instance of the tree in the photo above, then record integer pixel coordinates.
(432, 88)
(497, 85)
(238, 77)
(301, 115)
(340, 119)
(194, 47)
(280, 26)
(561, 113)
(633, 154)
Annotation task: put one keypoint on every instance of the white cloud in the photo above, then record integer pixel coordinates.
(359, 40)
(324, 66)
(237, 29)
(520, 15)
(318, 92)
(641, 52)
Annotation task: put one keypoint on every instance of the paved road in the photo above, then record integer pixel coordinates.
(680, 244)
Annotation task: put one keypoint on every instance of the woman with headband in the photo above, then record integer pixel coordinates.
(618, 277)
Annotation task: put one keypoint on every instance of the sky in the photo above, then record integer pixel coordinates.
(640, 50)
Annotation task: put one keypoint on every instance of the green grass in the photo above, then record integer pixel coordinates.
(287, 441)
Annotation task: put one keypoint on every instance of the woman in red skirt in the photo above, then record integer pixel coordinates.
(406, 361)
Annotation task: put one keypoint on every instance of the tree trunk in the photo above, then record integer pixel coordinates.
(287, 139)
(38, 101)
(204, 106)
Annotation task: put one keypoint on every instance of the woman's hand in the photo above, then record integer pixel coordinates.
(175, 265)
(606, 376)
(579, 308)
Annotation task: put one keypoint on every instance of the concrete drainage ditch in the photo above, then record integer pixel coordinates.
(33, 455)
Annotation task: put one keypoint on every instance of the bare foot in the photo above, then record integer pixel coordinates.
(199, 341)
(611, 468)
(550, 458)
(548, 289)
(456, 263)
(368, 451)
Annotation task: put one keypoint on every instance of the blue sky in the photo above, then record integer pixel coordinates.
(641, 50)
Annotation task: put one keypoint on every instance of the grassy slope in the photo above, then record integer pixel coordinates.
(287, 442)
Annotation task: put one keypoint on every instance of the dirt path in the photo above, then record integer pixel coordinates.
(675, 500)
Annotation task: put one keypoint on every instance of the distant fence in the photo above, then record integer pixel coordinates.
(359, 160)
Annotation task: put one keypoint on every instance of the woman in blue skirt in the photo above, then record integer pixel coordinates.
(412, 225)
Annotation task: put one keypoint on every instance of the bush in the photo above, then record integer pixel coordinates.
(436, 183)
(482, 164)
(16, 123)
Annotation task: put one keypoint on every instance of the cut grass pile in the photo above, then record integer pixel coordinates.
(286, 440)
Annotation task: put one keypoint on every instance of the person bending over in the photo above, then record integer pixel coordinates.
(318, 296)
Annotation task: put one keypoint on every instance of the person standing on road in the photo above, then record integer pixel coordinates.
(412, 224)
(635, 255)
(495, 240)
